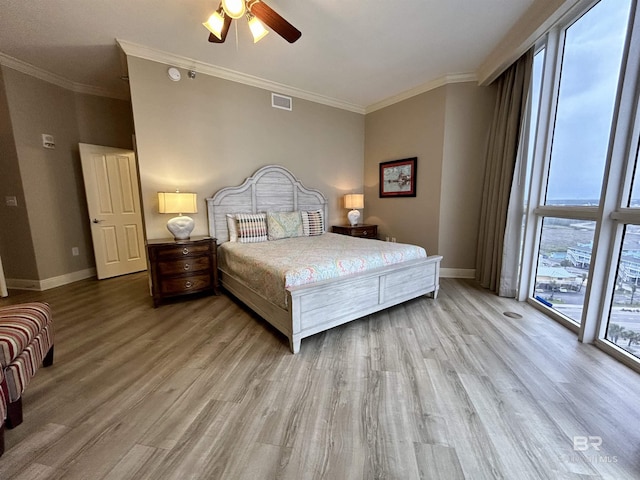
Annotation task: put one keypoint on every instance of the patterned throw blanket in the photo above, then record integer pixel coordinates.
(271, 267)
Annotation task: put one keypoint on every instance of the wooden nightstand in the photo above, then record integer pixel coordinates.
(363, 231)
(182, 267)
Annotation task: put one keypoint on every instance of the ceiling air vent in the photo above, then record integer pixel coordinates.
(280, 101)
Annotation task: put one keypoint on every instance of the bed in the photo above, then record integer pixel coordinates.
(305, 307)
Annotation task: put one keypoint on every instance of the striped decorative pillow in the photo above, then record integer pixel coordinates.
(252, 228)
(312, 223)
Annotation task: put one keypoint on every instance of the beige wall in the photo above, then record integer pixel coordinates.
(411, 128)
(104, 121)
(446, 129)
(16, 246)
(51, 180)
(466, 125)
(206, 133)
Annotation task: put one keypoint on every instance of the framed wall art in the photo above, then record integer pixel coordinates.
(398, 178)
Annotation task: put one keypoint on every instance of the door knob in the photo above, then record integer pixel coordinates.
(95, 220)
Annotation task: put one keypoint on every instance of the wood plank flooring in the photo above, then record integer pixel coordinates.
(431, 389)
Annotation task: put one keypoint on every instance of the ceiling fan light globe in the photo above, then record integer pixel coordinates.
(234, 8)
(257, 29)
(215, 24)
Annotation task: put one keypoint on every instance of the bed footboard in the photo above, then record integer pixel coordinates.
(320, 306)
(324, 305)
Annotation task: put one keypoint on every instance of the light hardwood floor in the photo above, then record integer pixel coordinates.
(431, 389)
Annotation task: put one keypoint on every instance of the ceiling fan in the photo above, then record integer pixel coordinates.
(258, 15)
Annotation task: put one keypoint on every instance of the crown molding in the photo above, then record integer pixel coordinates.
(100, 92)
(425, 87)
(148, 53)
(34, 71)
(55, 79)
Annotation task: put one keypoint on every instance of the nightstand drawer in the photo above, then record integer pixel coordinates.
(182, 251)
(187, 284)
(367, 233)
(184, 265)
(362, 231)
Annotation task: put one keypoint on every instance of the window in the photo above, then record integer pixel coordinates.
(582, 239)
(623, 328)
(592, 53)
(563, 265)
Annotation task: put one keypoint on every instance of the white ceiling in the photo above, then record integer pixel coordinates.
(357, 52)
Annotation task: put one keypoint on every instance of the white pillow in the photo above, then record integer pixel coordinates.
(232, 227)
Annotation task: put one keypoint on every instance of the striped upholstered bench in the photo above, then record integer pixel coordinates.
(26, 342)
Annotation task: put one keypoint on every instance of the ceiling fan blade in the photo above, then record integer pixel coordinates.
(225, 30)
(274, 21)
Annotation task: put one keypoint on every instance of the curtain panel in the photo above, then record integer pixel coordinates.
(500, 162)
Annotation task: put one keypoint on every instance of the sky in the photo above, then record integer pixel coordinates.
(591, 63)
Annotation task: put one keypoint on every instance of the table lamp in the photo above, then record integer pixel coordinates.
(354, 201)
(180, 203)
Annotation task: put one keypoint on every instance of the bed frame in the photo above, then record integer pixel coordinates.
(316, 307)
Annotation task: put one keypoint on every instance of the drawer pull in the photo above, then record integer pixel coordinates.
(188, 284)
(185, 251)
(364, 232)
(187, 266)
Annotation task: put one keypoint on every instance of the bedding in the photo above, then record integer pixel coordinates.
(269, 268)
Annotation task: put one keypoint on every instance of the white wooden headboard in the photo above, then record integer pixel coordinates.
(271, 189)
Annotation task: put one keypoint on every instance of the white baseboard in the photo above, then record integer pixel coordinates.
(46, 284)
(458, 273)
(39, 285)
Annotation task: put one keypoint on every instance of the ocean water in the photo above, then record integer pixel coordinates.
(586, 202)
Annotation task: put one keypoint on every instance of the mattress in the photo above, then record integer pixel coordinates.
(269, 268)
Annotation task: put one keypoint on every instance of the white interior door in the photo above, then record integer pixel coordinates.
(113, 197)
(3, 283)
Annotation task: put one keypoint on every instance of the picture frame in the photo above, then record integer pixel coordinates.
(398, 178)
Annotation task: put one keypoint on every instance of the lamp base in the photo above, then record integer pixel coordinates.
(353, 216)
(181, 227)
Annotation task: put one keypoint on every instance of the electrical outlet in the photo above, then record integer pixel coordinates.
(11, 201)
(75, 251)
(393, 239)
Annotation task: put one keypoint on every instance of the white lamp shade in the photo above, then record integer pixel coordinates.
(257, 29)
(354, 200)
(234, 8)
(177, 202)
(215, 24)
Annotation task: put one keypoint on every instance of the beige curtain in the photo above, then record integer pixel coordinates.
(500, 160)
